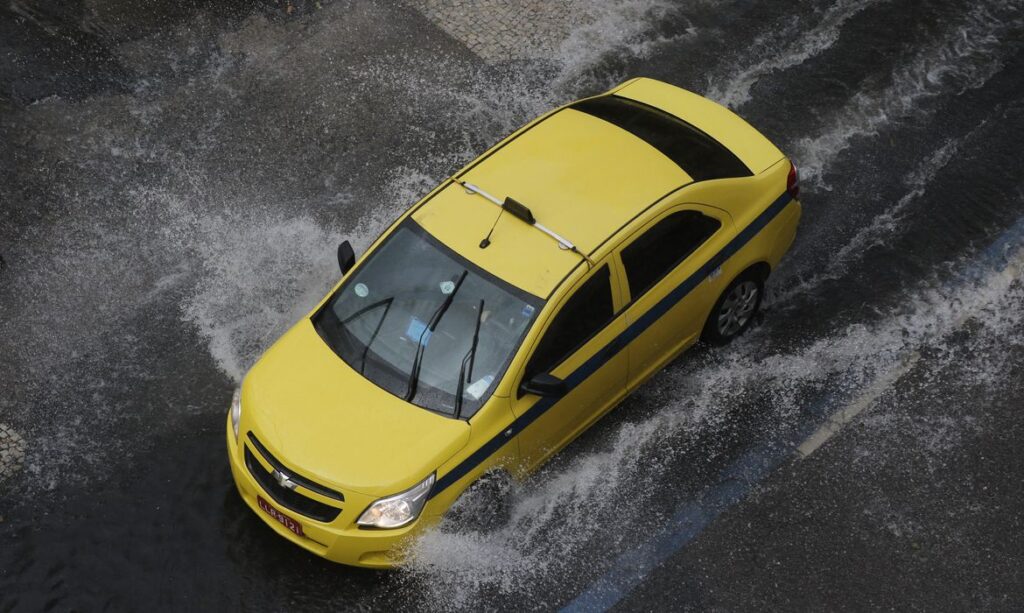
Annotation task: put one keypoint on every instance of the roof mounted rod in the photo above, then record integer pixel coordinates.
(519, 210)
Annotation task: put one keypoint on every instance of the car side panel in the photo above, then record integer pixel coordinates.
(746, 200)
(586, 402)
(749, 243)
(489, 443)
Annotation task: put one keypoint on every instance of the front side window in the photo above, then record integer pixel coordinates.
(660, 249)
(426, 325)
(581, 317)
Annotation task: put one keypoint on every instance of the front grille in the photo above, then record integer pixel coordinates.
(304, 482)
(286, 497)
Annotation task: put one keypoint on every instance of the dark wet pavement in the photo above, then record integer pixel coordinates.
(174, 179)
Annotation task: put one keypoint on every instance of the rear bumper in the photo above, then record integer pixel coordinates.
(786, 234)
(340, 541)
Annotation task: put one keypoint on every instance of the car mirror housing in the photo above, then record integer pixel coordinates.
(544, 384)
(346, 257)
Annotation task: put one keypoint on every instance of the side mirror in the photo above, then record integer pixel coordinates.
(544, 384)
(346, 257)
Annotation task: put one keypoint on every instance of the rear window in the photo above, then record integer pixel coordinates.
(701, 156)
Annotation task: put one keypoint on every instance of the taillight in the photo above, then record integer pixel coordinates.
(793, 182)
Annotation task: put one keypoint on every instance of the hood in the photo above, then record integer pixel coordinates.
(325, 421)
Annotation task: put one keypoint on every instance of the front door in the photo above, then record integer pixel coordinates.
(579, 346)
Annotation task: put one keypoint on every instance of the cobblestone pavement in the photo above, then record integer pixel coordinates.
(499, 30)
(12, 451)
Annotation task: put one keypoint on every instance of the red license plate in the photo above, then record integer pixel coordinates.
(284, 520)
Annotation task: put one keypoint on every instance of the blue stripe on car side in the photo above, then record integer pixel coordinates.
(617, 344)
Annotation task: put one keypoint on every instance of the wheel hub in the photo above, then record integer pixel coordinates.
(737, 308)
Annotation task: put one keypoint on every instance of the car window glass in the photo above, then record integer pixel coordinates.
(582, 316)
(378, 322)
(701, 156)
(661, 248)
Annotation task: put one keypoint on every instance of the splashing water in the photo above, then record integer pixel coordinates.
(971, 51)
(620, 28)
(736, 89)
(886, 225)
(278, 285)
(482, 104)
(215, 195)
(189, 220)
(553, 521)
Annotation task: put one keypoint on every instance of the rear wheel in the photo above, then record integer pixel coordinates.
(735, 309)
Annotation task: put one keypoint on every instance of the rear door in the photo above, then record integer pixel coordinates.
(578, 345)
(669, 287)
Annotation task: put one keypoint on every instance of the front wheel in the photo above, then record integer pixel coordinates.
(735, 309)
(485, 506)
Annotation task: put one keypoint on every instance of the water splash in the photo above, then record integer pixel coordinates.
(241, 303)
(214, 195)
(882, 227)
(533, 31)
(735, 91)
(620, 28)
(969, 53)
(556, 519)
(245, 298)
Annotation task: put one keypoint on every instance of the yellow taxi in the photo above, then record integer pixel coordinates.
(507, 311)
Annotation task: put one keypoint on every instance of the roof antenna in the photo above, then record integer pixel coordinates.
(519, 210)
(487, 239)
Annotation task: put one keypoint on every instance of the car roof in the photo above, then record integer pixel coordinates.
(582, 177)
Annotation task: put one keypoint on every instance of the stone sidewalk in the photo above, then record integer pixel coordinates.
(12, 451)
(498, 30)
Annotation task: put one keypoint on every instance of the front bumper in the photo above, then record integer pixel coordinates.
(340, 540)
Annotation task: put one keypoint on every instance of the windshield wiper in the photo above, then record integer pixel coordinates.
(414, 374)
(386, 303)
(465, 376)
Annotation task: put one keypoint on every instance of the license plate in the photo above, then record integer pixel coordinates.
(283, 519)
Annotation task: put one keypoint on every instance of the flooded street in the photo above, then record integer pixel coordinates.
(174, 182)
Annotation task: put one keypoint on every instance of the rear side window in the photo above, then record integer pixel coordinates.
(582, 316)
(652, 256)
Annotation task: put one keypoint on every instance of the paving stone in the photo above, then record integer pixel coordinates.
(12, 451)
(498, 30)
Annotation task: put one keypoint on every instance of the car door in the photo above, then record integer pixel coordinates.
(578, 346)
(669, 288)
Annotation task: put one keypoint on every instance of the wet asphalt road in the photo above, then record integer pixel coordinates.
(174, 179)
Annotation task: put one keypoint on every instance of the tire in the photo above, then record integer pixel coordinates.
(735, 309)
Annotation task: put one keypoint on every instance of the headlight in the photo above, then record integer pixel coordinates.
(398, 510)
(236, 410)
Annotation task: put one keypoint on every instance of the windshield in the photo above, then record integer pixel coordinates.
(415, 315)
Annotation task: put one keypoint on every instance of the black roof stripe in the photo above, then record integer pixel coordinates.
(699, 155)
